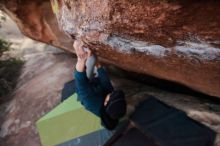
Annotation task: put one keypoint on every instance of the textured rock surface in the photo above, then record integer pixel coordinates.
(36, 20)
(173, 40)
(44, 73)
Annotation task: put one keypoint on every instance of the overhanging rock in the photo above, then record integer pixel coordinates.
(173, 40)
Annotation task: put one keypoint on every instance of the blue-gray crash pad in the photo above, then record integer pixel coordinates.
(170, 126)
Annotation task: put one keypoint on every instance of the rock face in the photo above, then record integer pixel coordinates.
(172, 40)
(39, 89)
(36, 20)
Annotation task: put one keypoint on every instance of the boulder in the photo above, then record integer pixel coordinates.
(177, 40)
(36, 20)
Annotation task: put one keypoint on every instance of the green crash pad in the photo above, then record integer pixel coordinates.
(67, 121)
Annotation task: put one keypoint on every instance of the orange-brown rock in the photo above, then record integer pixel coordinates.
(36, 20)
(172, 40)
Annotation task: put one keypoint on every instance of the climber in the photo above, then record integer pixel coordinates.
(95, 92)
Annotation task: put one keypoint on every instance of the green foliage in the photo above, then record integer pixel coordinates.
(9, 72)
(2, 17)
(4, 46)
(9, 69)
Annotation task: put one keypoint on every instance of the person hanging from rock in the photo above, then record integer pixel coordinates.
(94, 89)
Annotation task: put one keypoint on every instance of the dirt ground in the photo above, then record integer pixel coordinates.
(41, 81)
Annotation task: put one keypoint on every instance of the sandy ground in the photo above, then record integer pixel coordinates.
(43, 75)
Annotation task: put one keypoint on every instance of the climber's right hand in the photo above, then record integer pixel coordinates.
(81, 52)
(81, 56)
(78, 46)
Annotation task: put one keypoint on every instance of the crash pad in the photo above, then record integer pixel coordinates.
(97, 138)
(68, 90)
(169, 126)
(68, 121)
(155, 123)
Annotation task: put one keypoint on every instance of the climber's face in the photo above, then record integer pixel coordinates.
(107, 99)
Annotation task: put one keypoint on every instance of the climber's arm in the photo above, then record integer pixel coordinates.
(83, 87)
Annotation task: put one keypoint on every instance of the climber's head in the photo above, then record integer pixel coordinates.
(115, 104)
(114, 108)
